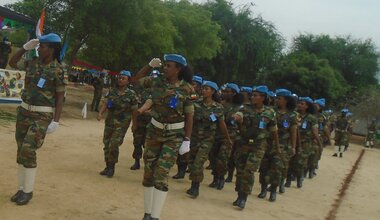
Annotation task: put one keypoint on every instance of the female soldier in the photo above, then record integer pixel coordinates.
(257, 123)
(172, 121)
(120, 104)
(40, 110)
(208, 114)
(274, 169)
(308, 130)
(222, 156)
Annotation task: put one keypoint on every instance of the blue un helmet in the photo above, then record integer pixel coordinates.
(198, 79)
(306, 99)
(125, 73)
(50, 38)
(284, 92)
(321, 102)
(261, 89)
(233, 86)
(176, 58)
(210, 84)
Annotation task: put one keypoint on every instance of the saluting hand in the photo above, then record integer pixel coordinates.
(155, 63)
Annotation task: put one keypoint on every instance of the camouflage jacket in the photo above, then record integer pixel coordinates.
(306, 124)
(170, 101)
(256, 124)
(206, 118)
(120, 106)
(285, 122)
(343, 124)
(42, 82)
(372, 127)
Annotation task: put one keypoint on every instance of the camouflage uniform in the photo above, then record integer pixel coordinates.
(98, 89)
(274, 166)
(224, 160)
(31, 126)
(342, 126)
(254, 132)
(162, 145)
(305, 158)
(117, 122)
(323, 127)
(371, 135)
(141, 127)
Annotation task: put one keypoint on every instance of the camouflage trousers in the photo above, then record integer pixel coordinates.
(30, 134)
(248, 161)
(113, 138)
(299, 162)
(312, 157)
(139, 135)
(370, 136)
(96, 100)
(287, 154)
(341, 138)
(271, 168)
(198, 155)
(219, 156)
(161, 149)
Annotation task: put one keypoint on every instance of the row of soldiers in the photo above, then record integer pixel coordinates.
(281, 136)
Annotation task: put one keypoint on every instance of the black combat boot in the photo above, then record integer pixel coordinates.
(282, 186)
(229, 177)
(237, 201)
(181, 172)
(340, 154)
(299, 182)
(221, 183)
(215, 182)
(335, 155)
(243, 200)
(111, 170)
(311, 173)
(263, 192)
(273, 192)
(24, 198)
(136, 165)
(105, 171)
(146, 216)
(16, 195)
(288, 180)
(194, 189)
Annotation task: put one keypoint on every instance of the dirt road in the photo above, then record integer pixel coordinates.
(68, 185)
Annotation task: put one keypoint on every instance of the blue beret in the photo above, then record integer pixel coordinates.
(349, 114)
(321, 102)
(246, 89)
(271, 94)
(261, 89)
(50, 38)
(175, 58)
(283, 92)
(345, 110)
(233, 86)
(306, 99)
(125, 73)
(210, 84)
(198, 79)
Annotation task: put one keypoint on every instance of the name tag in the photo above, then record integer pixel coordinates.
(262, 124)
(213, 117)
(173, 102)
(285, 124)
(304, 125)
(41, 83)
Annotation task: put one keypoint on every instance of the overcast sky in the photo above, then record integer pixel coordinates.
(358, 18)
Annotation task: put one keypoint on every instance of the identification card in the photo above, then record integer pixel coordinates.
(262, 124)
(213, 117)
(285, 124)
(109, 104)
(321, 126)
(173, 102)
(41, 83)
(304, 125)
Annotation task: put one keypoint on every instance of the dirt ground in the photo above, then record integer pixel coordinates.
(68, 185)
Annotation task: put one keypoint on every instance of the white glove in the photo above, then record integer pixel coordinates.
(31, 45)
(185, 147)
(52, 127)
(155, 62)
